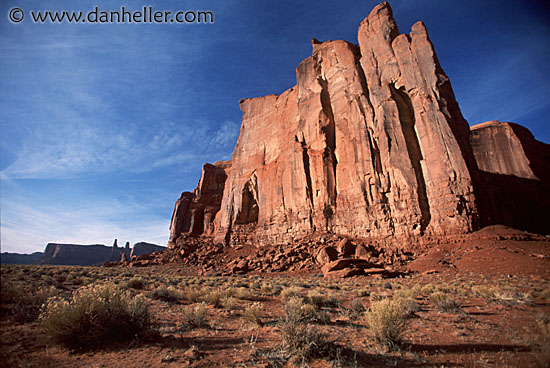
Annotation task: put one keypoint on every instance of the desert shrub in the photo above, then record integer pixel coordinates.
(297, 310)
(512, 297)
(267, 288)
(362, 292)
(277, 289)
(229, 303)
(167, 294)
(300, 342)
(195, 293)
(406, 293)
(485, 291)
(545, 294)
(195, 316)
(242, 293)
(355, 310)
(387, 322)
(444, 303)
(428, 289)
(253, 314)
(408, 305)
(316, 298)
(24, 305)
(214, 298)
(136, 283)
(541, 346)
(95, 316)
(290, 292)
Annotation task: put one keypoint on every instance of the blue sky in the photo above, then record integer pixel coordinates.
(103, 126)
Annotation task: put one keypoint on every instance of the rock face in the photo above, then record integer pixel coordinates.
(145, 248)
(95, 254)
(510, 149)
(195, 211)
(370, 143)
(515, 168)
(17, 258)
(77, 254)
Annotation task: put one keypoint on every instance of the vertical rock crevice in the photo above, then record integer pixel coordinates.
(249, 208)
(307, 171)
(329, 129)
(407, 120)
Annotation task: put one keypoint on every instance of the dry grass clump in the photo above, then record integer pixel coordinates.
(195, 316)
(362, 292)
(214, 297)
(355, 309)
(24, 305)
(266, 288)
(167, 294)
(409, 306)
(195, 293)
(229, 303)
(300, 341)
(136, 283)
(506, 296)
(95, 316)
(316, 298)
(408, 293)
(290, 292)
(253, 314)
(541, 346)
(387, 321)
(444, 303)
(300, 311)
(242, 293)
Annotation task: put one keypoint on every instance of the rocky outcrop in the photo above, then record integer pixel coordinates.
(510, 149)
(82, 255)
(17, 258)
(77, 254)
(369, 144)
(515, 170)
(145, 248)
(195, 211)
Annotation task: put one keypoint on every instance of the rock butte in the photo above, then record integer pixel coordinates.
(369, 144)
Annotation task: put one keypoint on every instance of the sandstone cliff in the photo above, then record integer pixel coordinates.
(515, 170)
(76, 254)
(370, 143)
(144, 248)
(195, 211)
(95, 254)
(17, 258)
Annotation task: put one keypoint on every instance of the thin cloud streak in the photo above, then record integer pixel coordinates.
(98, 225)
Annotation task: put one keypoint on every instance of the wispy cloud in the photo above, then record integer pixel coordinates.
(98, 223)
(227, 134)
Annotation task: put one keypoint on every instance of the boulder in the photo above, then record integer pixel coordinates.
(326, 254)
(362, 251)
(342, 263)
(345, 247)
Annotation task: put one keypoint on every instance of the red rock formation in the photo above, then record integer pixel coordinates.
(194, 211)
(501, 148)
(515, 169)
(369, 143)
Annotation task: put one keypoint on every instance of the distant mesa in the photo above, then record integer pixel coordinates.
(81, 255)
